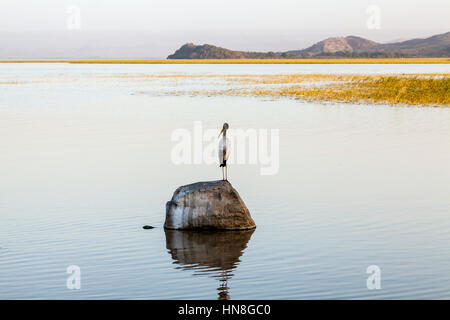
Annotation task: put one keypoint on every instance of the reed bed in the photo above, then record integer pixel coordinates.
(418, 89)
(431, 89)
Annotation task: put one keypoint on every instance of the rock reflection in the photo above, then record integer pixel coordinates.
(214, 254)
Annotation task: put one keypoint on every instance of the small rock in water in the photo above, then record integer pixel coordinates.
(147, 227)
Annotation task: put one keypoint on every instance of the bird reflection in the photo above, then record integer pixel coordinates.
(214, 254)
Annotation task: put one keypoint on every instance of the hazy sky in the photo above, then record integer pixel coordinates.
(163, 25)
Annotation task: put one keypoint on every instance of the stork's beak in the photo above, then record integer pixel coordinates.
(221, 132)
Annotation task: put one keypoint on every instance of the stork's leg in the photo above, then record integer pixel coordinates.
(223, 176)
(226, 173)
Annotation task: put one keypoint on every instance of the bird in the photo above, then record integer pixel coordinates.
(224, 150)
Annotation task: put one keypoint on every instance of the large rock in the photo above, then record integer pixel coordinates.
(207, 205)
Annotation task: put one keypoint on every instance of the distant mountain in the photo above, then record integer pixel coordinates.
(344, 45)
(351, 46)
(435, 46)
(207, 51)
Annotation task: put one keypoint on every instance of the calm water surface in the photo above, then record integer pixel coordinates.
(85, 162)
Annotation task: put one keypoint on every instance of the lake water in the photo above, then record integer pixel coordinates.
(85, 162)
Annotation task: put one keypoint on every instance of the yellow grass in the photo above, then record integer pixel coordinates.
(402, 89)
(419, 89)
(251, 61)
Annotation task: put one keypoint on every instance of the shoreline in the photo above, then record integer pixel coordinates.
(244, 61)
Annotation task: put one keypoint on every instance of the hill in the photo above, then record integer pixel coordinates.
(350, 46)
(207, 51)
(344, 45)
(435, 46)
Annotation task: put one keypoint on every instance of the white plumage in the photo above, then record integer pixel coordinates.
(224, 150)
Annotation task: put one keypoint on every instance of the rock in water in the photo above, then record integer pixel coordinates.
(207, 205)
